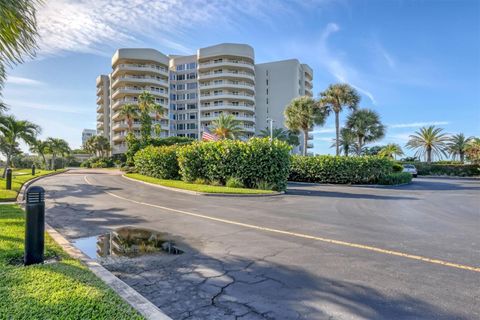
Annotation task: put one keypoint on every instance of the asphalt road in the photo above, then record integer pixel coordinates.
(317, 252)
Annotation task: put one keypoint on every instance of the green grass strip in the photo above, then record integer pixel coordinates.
(19, 177)
(60, 290)
(196, 187)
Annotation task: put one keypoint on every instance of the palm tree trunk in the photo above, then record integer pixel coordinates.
(7, 162)
(337, 132)
(462, 157)
(360, 143)
(305, 141)
(429, 155)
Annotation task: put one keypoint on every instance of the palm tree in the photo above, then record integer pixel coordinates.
(130, 112)
(391, 150)
(18, 33)
(16, 130)
(335, 98)
(302, 114)
(41, 148)
(429, 141)
(458, 145)
(473, 150)
(146, 104)
(366, 126)
(226, 127)
(347, 141)
(102, 145)
(282, 135)
(56, 147)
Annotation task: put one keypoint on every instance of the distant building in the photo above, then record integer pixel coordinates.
(195, 89)
(87, 134)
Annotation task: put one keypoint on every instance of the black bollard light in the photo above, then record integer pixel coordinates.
(33, 169)
(8, 179)
(35, 225)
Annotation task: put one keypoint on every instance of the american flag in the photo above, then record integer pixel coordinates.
(208, 136)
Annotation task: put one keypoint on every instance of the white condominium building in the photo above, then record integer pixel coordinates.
(196, 89)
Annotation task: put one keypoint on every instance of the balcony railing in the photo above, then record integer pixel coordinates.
(143, 66)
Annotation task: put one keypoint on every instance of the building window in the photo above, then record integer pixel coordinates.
(191, 85)
(192, 75)
(180, 67)
(191, 65)
(180, 77)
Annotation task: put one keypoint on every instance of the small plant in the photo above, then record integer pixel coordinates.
(200, 181)
(217, 183)
(264, 185)
(233, 182)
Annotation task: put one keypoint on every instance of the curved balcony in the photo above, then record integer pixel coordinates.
(243, 86)
(100, 109)
(226, 74)
(123, 91)
(139, 80)
(227, 63)
(100, 117)
(100, 99)
(100, 125)
(244, 97)
(243, 118)
(144, 68)
(227, 106)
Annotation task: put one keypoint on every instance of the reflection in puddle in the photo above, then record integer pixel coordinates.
(127, 241)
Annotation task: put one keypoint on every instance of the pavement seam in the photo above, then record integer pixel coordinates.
(304, 236)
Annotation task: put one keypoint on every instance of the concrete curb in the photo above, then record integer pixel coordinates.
(127, 293)
(205, 193)
(21, 193)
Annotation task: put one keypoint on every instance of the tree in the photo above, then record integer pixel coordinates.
(282, 135)
(429, 141)
(472, 151)
(302, 114)
(98, 145)
(56, 147)
(457, 146)
(41, 148)
(226, 127)
(129, 111)
(334, 99)
(347, 141)
(366, 126)
(13, 131)
(391, 150)
(146, 104)
(18, 33)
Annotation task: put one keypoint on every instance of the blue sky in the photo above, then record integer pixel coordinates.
(415, 62)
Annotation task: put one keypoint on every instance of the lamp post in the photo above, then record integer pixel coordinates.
(271, 121)
(35, 225)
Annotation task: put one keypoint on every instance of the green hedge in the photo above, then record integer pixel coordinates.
(342, 170)
(158, 162)
(255, 162)
(435, 169)
(395, 178)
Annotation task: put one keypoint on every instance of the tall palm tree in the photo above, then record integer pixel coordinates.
(146, 104)
(41, 148)
(347, 141)
(130, 112)
(366, 126)
(473, 150)
(302, 114)
(102, 145)
(391, 150)
(56, 147)
(282, 135)
(226, 127)
(14, 130)
(335, 98)
(457, 146)
(18, 33)
(429, 141)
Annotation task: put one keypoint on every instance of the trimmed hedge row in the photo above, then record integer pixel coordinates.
(395, 178)
(460, 170)
(341, 170)
(158, 162)
(255, 162)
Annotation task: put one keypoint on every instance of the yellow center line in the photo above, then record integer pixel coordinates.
(305, 236)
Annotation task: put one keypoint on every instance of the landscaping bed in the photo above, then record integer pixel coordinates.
(19, 177)
(64, 289)
(202, 188)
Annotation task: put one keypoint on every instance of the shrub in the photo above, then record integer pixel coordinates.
(263, 185)
(461, 170)
(395, 178)
(158, 162)
(251, 161)
(331, 169)
(397, 167)
(233, 182)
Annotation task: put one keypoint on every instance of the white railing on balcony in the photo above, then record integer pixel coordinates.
(221, 82)
(227, 105)
(143, 66)
(222, 61)
(132, 77)
(220, 73)
(244, 94)
(141, 89)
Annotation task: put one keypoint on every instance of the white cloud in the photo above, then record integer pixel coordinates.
(324, 139)
(24, 81)
(418, 124)
(38, 106)
(323, 130)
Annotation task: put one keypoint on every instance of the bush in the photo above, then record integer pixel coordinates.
(397, 167)
(234, 183)
(460, 170)
(395, 178)
(135, 145)
(252, 161)
(158, 162)
(344, 170)
(98, 162)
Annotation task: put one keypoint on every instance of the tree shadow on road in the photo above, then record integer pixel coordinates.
(337, 194)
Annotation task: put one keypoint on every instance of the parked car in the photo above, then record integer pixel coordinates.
(410, 168)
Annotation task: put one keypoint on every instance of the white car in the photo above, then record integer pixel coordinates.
(410, 168)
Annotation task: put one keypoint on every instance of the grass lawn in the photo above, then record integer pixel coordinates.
(61, 290)
(19, 177)
(196, 187)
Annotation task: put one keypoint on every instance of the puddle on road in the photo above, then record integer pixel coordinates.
(126, 242)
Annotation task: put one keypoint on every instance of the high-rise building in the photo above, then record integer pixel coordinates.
(196, 89)
(87, 134)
